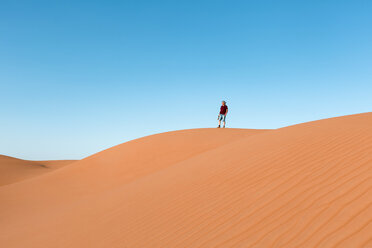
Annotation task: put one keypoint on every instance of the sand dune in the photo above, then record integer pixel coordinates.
(15, 170)
(308, 185)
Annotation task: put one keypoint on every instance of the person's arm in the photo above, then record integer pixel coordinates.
(227, 110)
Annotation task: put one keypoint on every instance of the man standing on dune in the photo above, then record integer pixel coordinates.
(222, 116)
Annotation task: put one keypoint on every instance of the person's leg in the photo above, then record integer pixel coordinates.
(224, 121)
(219, 121)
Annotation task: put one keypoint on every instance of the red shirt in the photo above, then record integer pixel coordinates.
(223, 110)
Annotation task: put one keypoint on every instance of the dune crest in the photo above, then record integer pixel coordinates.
(307, 185)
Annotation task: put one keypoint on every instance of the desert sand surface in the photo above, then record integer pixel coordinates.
(15, 170)
(307, 185)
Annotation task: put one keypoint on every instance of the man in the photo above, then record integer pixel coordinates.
(222, 116)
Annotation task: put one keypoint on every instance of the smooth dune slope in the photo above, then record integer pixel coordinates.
(126, 162)
(14, 170)
(308, 185)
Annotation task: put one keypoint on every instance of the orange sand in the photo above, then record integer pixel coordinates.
(308, 185)
(15, 170)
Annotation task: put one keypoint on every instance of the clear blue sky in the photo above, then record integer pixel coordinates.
(77, 76)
